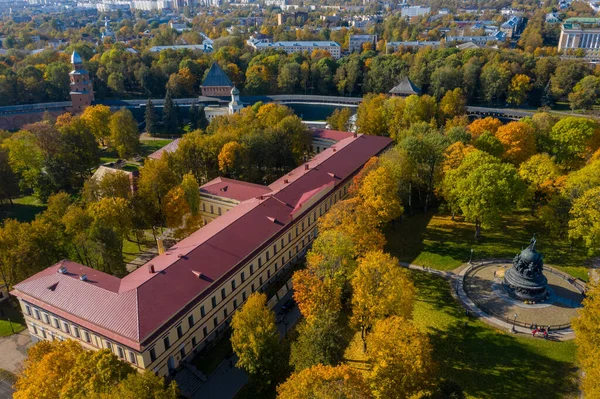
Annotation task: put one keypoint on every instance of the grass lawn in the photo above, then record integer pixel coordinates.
(7, 311)
(435, 241)
(23, 209)
(131, 250)
(484, 361)
(147, 147)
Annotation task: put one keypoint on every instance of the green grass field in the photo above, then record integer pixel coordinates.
(16, 323)
(23, 209)
(486, 362)
(436, 241)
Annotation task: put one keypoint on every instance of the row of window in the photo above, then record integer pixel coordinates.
(212, 209)
(72, 330)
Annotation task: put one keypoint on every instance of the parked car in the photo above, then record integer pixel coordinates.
(288, 306)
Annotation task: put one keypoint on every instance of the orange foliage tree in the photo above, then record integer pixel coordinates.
(518, 140)
(324, 382)
(479, 126)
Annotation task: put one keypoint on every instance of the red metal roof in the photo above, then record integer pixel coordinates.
(146, 301)
(234, 189)
(171, 147)
(328, 134)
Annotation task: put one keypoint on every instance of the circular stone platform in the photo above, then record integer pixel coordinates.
(483, 285)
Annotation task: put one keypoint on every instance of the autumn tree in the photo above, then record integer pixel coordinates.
(401, 358)
(316, 296)
(96, 118)
(487, 124)
(155, 181)
(453, 103)
(454, 155)
(371, 118)
(116, 184)
(540, 173)
(356, 221)
(255, 339)
(340, 119)
(587, 333)
(324, 382)
(64, 369)
(124, 135)
(585, 220)
(518, 140)
(231, 159)
(331, 256)
(379, 192)
(519, 87)
(381, 288)
(318, 342)
(483, 188)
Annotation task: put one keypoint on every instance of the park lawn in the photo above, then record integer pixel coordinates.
(23, 209)
(434, 240)
(485, 362)
(131, 250)
(16, 319)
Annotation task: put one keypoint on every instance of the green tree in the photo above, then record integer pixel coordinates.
(483, 188)
(585, 220)
(170, 117)
(124, 134)
(9, 182)
(288, 79)
(495, 80)
(489, 143)
(152, 122)
(585, 94)
(574, 140)
(255, 339)
(318, 342)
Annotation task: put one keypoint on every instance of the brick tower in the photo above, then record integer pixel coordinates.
(82, 91)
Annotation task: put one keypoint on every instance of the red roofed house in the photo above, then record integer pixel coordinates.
(325, 138)
(171, 307)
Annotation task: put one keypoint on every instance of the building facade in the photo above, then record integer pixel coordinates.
(332, 48)
(216, 83)
(415, 11)
(355, 42)
(580, 34)
(179, 301)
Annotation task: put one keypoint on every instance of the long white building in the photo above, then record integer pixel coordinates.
(298, 47)
(580, 34)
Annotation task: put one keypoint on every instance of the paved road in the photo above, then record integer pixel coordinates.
(13, 350)
(227, 380)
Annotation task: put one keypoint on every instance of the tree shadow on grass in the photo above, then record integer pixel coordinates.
(20, 212)
(486, 362)
(490, 364)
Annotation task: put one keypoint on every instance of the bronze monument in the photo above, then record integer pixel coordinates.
(525, 280)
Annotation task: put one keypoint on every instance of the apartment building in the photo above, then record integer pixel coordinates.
(298, 47)
(171, 307)
(355, 42)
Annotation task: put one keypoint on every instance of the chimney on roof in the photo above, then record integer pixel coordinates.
(306, 167)
(83, 277)
(334, 149)
(62, 269)
(286, 181)
(197, 274)
(180, 256)
(355, 135)
(151, 268)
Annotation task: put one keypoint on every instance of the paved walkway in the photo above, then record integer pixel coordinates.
(227, 380)
(13, 350)
(455, 277)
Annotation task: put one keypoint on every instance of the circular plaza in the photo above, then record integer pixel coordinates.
(484, 284)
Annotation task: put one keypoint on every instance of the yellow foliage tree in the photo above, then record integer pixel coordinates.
(371, 116)
(401, 358)
(324, 382)
(96, 119)
(518, 140)
(230, 157)
(255, 339)
(585, 220)
(479, 126)
(587, 336)
(454, 155)
(381, 288)
(519, 86)
(357, 222)
(379, 192)
(315, 296)
(540, 173)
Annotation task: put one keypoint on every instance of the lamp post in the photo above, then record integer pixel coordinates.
(514, 322)
(471, 258)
